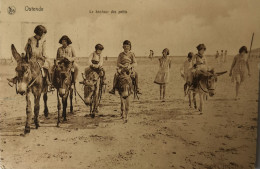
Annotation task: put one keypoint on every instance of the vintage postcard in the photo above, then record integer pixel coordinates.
(133, 84)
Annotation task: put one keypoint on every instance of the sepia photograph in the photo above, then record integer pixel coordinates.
(129, 84)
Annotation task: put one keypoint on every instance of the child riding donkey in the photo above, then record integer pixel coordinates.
(126, 59)
(38, 46)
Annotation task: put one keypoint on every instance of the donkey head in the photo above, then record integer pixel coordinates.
(90, 85)
(124, 83)
(63, 77)
(209, 81)
(23, 69)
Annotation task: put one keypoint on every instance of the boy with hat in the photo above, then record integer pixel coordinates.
(67, 51)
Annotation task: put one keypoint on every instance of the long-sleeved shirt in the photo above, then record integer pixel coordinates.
(67, 52)
(98, 58)
(126, 59)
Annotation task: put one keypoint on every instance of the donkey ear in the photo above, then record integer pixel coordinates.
(221, 73)
(16, 55)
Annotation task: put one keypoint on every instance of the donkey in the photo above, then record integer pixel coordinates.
(30, 81)
(206, 84)
(124, 87)
(92, 89)
(63, 81)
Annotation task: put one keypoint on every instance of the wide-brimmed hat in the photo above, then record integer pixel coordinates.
(201, 46)
(243, 49)
(65, 37)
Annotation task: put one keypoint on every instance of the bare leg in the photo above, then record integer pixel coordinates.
(59, 108)
(28, 113)
(46, 110)
(36, 110)
(237, 90)
(164, 88)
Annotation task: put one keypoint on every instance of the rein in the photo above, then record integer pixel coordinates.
(31, 83)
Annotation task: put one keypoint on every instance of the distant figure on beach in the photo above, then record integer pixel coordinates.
(106, 57)
(222, 56)
(225, 56)
(238, 69)
(217, 56)
(151, 54)
(162, 77)
(185, 70)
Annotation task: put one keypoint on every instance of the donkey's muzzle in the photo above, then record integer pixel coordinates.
(87, 101)
(62, 92)
(21, 88)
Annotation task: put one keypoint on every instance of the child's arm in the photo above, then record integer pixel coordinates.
(248, 68)
(134, 63)
(100, 61)
(90, 59)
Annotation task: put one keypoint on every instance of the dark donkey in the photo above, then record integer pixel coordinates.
(30, 81)
(124, 87)
(63, 81)
(206, 85)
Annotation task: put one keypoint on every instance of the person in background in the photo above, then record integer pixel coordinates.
(185, 71)
(67, 51)
(225, 56)
(222, 56)
(238, 69)
(162, 77)
(217, 57)
(151, 54)
(96, 62)
(126, 59)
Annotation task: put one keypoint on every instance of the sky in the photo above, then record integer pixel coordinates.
(149, 24)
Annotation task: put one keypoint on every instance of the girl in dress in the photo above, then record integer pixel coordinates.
(162, 77)
(238, 68)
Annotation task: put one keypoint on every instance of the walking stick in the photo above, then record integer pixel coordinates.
(251, 45)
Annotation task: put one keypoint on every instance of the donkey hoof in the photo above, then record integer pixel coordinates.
(65, 119)
(27, 130)
(37, 125)
(58, 125)
(92, 115)
(125, 121)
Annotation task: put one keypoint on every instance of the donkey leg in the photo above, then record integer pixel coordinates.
(71, 98)
(28, 114)
(194, 100)
(64, 104)
(122, 108)
(201, 101)
(36, 110)
(46, 110)
(59, 108)
(126, 109)
(189, 94)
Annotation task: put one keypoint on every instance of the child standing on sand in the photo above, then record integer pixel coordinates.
(185, 71)
(162, 77)
(238, 68)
